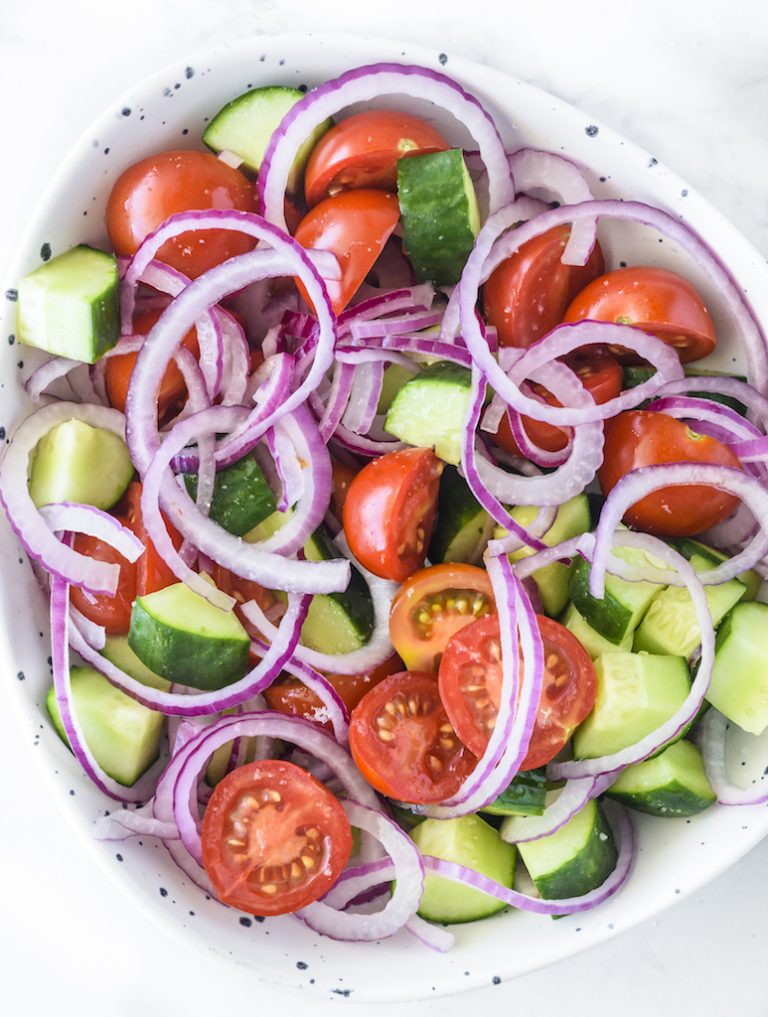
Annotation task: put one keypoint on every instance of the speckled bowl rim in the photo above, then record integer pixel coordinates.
(493, 962)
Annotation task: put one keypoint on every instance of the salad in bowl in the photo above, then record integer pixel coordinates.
(402, 545)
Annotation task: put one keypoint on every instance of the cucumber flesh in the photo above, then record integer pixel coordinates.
(526, 795)
(70, 306)
(572, 518)
(181, 636)
(463, 526)
(80, 463)
(670, 625)
(245, 125)
(669, 785)
(119, 653)
(592, 641)
(242, 498)
(395, 376)
(636, 693)
(123, 735)
(439, 214)
(576, 859)
(468, 841)
(429, 410)
(739, 686)
(688, 547)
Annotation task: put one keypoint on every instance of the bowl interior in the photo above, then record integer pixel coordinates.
(170, 110)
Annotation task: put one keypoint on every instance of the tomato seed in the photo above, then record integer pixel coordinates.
(386, 735)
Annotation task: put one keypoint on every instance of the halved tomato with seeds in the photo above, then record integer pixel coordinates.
(470, 687)
(432, 605)
(403, 742)
(274, 838)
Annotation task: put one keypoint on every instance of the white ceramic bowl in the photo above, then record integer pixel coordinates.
(169, 110)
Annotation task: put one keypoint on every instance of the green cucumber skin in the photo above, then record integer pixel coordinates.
(525, 796)
(607, 616)
(461, 520)
(437, 213)
(675, 801)
(186, 657)
(429, 410)
(242, 498)
(588, 869)
(355, 601)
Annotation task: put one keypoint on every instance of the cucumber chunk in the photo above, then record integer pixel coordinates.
(616, 615)
(670, 625)
(739, 686)
(636, 693)
(576, 859)
(592, 641)
(77, 462)
(572, 519)
(429, 410)
(671, 784)
(526, 795)
(242, 498)
(119, 653)
(70, 306)
(123, 735)
(468, 841)
(395, 376)
(439, 213)
(181, 636)
(463, 526)
(688, 547)
(245, 125)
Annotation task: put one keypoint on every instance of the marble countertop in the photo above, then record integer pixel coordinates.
(689, 82)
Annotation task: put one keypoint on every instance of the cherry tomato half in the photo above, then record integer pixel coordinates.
(274, 838)
(470, 687)
(644, 438)
(390, 511)
(353, 225)
(527, 295)
(292, 697)
(157, 187)
(655, 300)
(403, 743)
(363, 150)
(118, 371)
(433, 605)
(600, 374)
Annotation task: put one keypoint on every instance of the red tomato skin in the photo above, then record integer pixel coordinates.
(153, 189)
(114, 613)
(390, 510)
(363, 150)
(640, 438)
(355, 226)
(527, 295)
(655, 300)
(282, 803)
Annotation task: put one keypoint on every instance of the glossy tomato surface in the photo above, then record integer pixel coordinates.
(527, 295)
(363, 150)
(434, 604)
(654, 299)
(274, 838)
(640, 438)
(292, 697)
(390, 509)
(157, 187)
(403, 743)
(470, 682)
(600, 373)
(355, 226)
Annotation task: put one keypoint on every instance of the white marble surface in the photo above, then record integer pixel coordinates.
(687, 80)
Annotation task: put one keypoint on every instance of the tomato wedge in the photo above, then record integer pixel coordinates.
(292, 697)
(600, 374)
(655, 300)
(640, 438)
(527, 295)
(432, 606)
(355, 226)
(274, 838)
(470, 687)
(390, 510)
(363, 151)
(404, 744)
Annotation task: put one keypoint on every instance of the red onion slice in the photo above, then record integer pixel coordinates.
(571, 799)
(361, 85)
(70, 516)
(381, 327)
(364, 397)
(712, 736)
(734, 387)
(124, 823)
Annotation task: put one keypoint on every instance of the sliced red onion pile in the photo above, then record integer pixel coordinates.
(319, 387)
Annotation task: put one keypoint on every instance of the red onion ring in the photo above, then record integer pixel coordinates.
(712, 735)
(571, 799)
